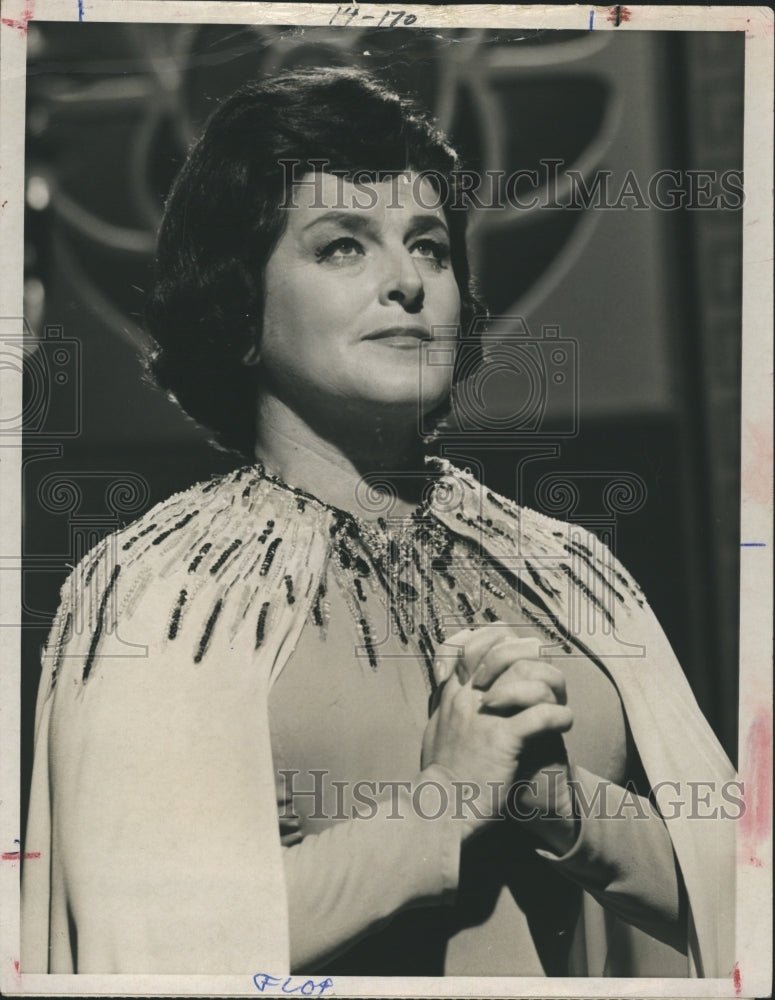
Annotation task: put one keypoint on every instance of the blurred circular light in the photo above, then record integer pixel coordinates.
(35, 41)
(37, 120)
(34, 308)
(38, 193)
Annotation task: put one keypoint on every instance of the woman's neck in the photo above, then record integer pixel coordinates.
(341, 463)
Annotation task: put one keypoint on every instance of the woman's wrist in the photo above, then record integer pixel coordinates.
(546, 807)
(465, 808)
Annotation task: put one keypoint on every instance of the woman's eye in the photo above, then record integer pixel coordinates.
(432, 250)
(340, 251)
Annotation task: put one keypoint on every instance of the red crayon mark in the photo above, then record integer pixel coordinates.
(23, 20)
(757, 481)
(618, 14)
(14, 855)
(737, 978)
(755, 821)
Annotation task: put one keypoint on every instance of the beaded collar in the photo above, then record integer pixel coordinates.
(238, 559)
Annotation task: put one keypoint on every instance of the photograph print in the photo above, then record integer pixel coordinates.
(378, 462)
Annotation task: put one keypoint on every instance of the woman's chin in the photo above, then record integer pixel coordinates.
(397, 403)
(417, 392)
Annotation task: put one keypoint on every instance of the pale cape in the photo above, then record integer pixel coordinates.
(153, 805)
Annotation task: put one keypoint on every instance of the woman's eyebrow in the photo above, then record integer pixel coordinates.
(420, 224)
(353, 221)
(357, 222)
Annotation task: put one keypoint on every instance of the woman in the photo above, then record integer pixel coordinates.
(337, 711)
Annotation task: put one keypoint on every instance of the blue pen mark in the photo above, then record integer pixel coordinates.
(591, 19)
(80, 10)
(753, 545)
(301, 987)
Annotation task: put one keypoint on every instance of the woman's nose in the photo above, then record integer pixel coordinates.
(403, 283)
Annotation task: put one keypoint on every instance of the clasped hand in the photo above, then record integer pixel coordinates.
(499, 715)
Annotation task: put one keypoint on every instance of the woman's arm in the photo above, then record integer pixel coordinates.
(622, 855)
(605, 837)
(153, 817)
(353, 877)
(349, 880)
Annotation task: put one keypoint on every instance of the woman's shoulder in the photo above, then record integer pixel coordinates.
(208, 521)
(513, 531)
(170, 523)
(226, 563)
(481, 502)
(209, 537)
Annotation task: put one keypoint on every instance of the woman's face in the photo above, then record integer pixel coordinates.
(357, 290)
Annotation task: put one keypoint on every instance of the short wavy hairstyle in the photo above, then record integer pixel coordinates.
(224, 217)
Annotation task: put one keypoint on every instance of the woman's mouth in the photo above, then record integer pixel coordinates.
(401, 337)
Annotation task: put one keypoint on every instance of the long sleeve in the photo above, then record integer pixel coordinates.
(591, 601)
(153, 811)
(624, 857)
(350, 879)
(153, 818)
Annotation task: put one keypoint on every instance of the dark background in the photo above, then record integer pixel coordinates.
(644, 450)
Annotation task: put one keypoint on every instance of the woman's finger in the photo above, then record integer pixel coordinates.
(542, 718)
(507, 658)
(448, 654)
(512, 693)
(464, 648)
(490, 637)
(500, 657)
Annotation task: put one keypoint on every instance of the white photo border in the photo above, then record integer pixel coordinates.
(752, 973)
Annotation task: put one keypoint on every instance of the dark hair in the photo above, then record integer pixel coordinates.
(223, 218)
